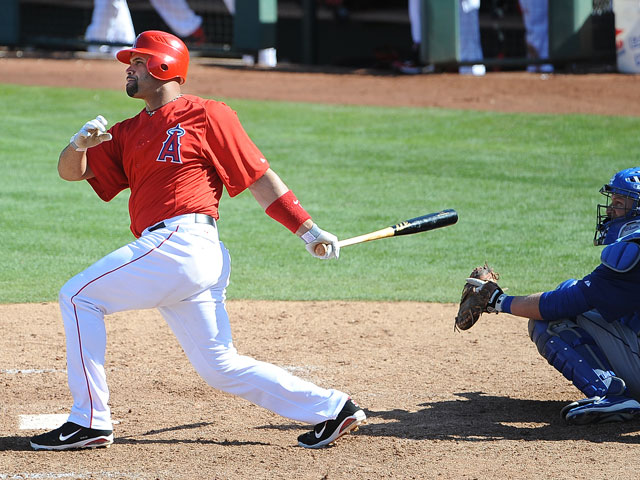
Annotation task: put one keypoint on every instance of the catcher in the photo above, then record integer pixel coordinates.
(587, 329)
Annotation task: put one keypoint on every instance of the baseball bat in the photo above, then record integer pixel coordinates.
(423, 223)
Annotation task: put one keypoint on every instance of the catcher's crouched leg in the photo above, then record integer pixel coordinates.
(574, 353)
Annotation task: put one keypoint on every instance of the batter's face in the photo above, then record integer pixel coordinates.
(620, 205)
(140, 83)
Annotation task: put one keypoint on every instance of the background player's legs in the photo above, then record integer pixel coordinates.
(178, 15)
(470, 46)
(535, 15)
(414, 17)
(201, 325)
(152, 270)
(110, 22)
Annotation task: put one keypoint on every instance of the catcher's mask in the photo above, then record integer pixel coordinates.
(168, 55)
(625, 183)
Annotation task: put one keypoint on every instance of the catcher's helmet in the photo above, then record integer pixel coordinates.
(168, 55)
(625, 183)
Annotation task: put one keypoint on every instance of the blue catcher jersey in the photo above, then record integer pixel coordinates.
(611, 289)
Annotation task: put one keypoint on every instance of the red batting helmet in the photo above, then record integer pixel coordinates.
(168, 55)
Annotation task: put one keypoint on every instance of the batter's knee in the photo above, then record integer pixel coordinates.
(71, 297)
(71, 289)
(66, 293)
(221, 366)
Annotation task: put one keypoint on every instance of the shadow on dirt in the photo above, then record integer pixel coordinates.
(473, 417)
(477, 417)
(143, 439)
(14, 444)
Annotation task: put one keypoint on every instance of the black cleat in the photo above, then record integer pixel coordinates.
(349, 418)
(71, 435)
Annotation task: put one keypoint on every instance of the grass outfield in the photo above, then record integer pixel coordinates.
(525, 188)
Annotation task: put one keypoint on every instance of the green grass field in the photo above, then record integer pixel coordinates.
(525, 188)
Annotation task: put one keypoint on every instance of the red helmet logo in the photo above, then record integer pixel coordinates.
(168, 55)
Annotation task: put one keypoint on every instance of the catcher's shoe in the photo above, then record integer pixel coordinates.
(612, 408)
(71, 435)
(349, 418)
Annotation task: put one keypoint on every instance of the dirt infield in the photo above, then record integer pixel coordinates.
(440, 404)
(605, 94)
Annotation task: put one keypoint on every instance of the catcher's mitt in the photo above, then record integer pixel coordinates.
(479, 295)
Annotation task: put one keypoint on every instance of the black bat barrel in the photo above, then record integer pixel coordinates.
(426, 222)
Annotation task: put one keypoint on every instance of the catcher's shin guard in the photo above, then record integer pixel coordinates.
(574, 353)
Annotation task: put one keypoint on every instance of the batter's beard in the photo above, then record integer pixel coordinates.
(132, 88)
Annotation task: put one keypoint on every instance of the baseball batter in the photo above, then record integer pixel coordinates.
(176, 156)
(587, 329)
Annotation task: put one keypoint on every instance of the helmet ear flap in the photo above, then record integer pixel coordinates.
(163, 67)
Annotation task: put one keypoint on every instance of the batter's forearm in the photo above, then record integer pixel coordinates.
(73, 166)
(282, 205)
(268, 188)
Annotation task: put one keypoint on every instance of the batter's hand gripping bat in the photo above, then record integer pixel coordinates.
(424, 223)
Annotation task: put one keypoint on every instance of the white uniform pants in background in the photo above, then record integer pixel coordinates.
(178, 15)
(470, 45)
(183, 270)
(535, 15)
(414, 20)
(111, 20)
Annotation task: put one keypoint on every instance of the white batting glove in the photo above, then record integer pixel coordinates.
(93, 133)
(317, 236)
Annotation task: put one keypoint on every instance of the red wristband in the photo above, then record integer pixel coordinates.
(287, 210)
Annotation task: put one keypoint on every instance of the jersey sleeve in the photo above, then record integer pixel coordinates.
(105, 161)
(613, 294)
(563, 303)
(235, 157)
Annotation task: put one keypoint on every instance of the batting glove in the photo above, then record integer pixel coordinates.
(315, 236)
(93, 133)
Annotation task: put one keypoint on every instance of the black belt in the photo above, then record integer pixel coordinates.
(197, 218)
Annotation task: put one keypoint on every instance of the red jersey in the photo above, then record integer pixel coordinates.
(176, 160)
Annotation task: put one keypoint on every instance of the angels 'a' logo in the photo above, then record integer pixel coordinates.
(171, 146)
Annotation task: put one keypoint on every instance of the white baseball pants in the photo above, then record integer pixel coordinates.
(535, 14)
(111, 22)
(183, 270)
(178, 15)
